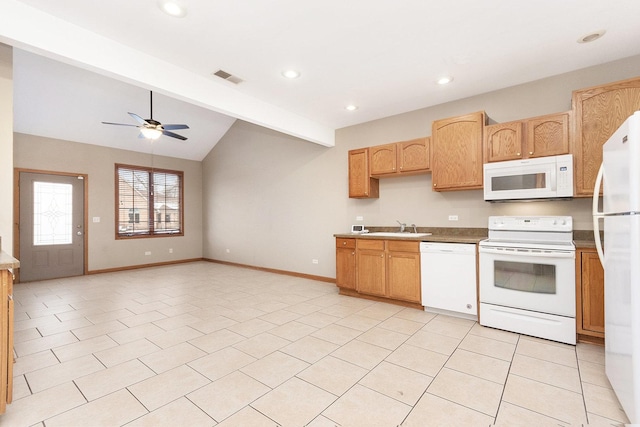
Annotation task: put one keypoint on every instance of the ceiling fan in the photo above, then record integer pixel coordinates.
(152, 129)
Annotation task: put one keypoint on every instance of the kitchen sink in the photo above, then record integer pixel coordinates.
(397, 234)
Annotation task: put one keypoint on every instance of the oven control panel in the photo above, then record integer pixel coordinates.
(531, 223)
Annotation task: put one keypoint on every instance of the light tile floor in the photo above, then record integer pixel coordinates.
(204, 344)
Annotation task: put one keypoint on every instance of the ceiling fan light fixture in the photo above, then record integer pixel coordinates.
(172, 8)
(444, 80)
(150, 133)
(351, 107)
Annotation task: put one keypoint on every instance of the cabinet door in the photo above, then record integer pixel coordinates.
(413, 156)
(403, 276)
(456, 146)
(6, 339)
(371, 272)
(361, 185)
(599, 111)
(346, 268)
(503, 141)
(383, 159)
(592, 287)
(548, 135)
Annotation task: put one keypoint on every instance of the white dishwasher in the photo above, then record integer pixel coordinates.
(448, 278)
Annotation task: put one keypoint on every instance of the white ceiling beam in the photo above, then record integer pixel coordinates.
(32, 30)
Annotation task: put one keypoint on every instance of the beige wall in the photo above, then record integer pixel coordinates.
(105, 252)
(6, 147)
(275, 201)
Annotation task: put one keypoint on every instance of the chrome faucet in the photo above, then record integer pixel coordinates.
(415, 230)
(402, 226)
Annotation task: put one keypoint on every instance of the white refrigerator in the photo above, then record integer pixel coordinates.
(620, 176)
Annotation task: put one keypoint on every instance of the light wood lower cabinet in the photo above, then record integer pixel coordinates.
(6, 339)
(346, 263)
(589, 295)
(387, 269)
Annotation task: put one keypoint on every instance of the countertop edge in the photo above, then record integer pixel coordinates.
(432, 238)
(7, 261)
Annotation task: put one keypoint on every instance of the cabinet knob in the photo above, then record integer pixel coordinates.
(344, 243)
(517, 154)
(353, 253)
(382, 256)
(530, 152)
(435, 185)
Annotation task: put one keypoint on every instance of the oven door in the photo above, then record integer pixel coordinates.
(529, 279)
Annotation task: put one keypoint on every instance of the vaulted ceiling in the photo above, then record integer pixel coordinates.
(78, 63)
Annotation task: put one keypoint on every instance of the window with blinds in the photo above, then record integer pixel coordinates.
(148, 202)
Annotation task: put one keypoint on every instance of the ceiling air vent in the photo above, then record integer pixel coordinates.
(229, 77)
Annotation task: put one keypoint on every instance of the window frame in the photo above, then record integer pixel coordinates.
(151, 220)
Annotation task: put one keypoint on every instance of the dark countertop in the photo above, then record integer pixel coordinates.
(583, 239)
(438, 234)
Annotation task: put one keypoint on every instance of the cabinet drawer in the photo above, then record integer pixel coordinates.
(345, 243)
(403, 246)
(376, 245)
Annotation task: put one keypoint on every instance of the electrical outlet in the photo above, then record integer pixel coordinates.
(359, 218)
(228, 251)
(453, 217)
(147, 253)
(170, 250)
(314, 261)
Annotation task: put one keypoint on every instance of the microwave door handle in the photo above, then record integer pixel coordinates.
(597, 214)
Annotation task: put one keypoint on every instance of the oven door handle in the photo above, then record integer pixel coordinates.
(527, 252)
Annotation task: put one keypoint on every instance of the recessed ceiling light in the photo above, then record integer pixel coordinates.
(172, 8)
(591, 37)
(444, 80)
(291, 74)
(351, 107)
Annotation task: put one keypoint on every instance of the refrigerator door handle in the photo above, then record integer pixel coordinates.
(597, 215)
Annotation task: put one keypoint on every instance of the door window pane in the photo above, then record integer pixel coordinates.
(525, 277)
(52, 213)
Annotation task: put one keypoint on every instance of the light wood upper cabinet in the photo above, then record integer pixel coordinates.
(535, 137)
(400, 158)
(599, 111)
(456, 152)
(589, 294)
(383, 159)
(503, 141)
(548, 135)
(414, 155)
(361, 185)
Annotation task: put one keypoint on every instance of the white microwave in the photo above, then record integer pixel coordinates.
(540, 178)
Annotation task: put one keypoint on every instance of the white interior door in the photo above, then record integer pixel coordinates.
(51, 226)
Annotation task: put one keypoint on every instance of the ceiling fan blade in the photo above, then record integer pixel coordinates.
(174, 135)
(119, 124)
(175, 127)
(137, 118)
